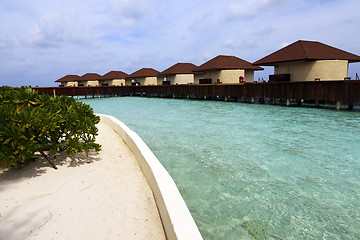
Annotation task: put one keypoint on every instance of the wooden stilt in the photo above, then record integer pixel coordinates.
(338, 105)
(350, 105)
(317, 103)
(288, 102)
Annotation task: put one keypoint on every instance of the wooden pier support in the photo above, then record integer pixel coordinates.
(338, 105)
(317, 104)
(299, 102)
(335, 92)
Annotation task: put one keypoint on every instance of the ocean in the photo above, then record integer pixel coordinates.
(254, 171)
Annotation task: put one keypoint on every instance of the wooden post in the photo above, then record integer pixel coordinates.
(299, 102)
(338, 105)
(288, 102)
(274, 101)
(317, 103)
(226, 98)
(54, 92)
(252, 100)
(350, 105)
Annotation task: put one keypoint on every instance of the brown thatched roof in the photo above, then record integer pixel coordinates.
(89, 77)
(180, 68)
(144, 72)
(68, 78)
(307, 50)
(114, 75)
(222, 62)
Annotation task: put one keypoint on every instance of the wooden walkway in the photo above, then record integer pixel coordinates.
(327, 91)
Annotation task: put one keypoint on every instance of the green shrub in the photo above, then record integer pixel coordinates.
(31, 123)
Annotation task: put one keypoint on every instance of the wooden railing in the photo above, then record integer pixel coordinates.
(345, 91)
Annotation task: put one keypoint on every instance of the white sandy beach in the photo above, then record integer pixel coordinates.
(104, 196)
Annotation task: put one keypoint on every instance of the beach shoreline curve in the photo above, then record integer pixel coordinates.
(175, 215)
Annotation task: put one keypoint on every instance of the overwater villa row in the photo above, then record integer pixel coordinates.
(299, 61)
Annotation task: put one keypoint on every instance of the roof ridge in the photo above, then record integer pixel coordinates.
(303, 48)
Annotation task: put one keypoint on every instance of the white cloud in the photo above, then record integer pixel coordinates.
(73, 37)
(140, 60)
(27, 63)
(251, 8)
(55, 29)
(7, 45)
(129, 13)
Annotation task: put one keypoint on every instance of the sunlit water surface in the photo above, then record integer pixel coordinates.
(254, 171)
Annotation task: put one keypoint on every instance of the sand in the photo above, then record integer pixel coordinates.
(103, 196)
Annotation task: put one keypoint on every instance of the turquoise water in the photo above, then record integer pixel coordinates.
(289, 173)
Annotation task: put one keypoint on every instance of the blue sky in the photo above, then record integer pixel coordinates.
(42, 41)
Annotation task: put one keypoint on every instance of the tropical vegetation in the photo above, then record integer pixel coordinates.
(33, 124)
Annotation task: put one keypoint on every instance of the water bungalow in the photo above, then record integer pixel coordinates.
(68, 81)
(227, 69)
(181, 73)
(308, 61)
(114, 78)
(145, 76)
(89, 79)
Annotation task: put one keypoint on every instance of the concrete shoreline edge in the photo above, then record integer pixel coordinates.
(175, 215)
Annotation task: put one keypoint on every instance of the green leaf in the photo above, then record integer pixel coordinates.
(8, 140)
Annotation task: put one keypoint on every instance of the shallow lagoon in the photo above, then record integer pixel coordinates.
(252, 171)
